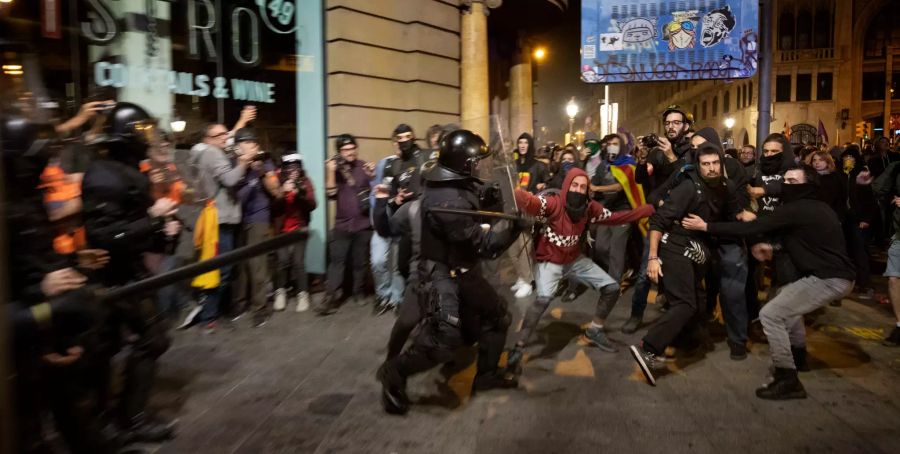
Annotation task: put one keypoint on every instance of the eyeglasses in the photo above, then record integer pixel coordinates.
(673, 123)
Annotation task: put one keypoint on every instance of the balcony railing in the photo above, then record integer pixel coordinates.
(825, 53)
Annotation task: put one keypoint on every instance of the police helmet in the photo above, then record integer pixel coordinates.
(460, 152)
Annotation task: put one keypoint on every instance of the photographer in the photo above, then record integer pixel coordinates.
(347, 183)
(298, 202)
(259, 187)
(667, 154)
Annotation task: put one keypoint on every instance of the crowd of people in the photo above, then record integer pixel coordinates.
(708, 226)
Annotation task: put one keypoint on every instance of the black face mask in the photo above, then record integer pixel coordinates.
(576, 205)
(793, 192)
(714, 182)
(771, 165)
(407, 148)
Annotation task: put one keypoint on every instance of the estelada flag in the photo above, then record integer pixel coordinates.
(624, 175)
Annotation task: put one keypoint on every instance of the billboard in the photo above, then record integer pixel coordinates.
(645, 40)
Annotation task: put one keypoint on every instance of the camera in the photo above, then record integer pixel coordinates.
(650, 140)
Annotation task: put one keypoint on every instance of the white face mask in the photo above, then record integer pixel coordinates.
(612, 151)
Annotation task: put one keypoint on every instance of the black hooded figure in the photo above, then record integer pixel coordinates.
(771, 172)
(410, 159)
(531, 171)
(862, 210)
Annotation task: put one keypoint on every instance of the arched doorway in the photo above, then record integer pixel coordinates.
(745, 137)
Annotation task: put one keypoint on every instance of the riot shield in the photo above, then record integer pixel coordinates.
(500, 169)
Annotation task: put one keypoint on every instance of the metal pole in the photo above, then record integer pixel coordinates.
(196, 269)
(6, 373)
(765, 72)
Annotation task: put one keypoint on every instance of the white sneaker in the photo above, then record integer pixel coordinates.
(524, 291)
(302, 301)
(280, 300)
(519, 284)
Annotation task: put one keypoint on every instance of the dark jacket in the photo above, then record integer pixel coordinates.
(116, 198)
(833, 191)
(457, 241)
(886, 187)
(694, 196)
(531, 171)
(810, 234)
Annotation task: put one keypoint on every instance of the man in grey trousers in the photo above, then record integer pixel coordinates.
(812, 237)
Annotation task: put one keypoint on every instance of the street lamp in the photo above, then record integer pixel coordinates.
(571, 111)
(539, 54)
(729, 123)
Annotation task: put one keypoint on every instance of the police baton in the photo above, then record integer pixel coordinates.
(196, 269)
(476, 213)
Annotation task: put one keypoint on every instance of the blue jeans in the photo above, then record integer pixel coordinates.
(215, 297)
(642, 285)
(388, 282)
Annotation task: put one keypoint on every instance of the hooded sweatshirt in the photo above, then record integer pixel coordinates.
(531, 171)
(558, 239)
(771, 179)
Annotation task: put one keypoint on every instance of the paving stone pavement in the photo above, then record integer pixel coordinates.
(305, 384)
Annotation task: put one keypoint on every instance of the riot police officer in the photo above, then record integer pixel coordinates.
(462, 306)
(48, 303)
(122, 218)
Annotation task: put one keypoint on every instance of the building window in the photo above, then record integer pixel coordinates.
(748, 97)
(804, 87)
(879, 32)
(822, 32)
(823, 87)
(786, 31)
(783, 88)
(804, 30)
(873, 86)
(715, 107)
(726, 102)
(740, 98)
(694, 111)
(703, 115)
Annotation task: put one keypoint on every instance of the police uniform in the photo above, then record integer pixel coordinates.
(462, 306)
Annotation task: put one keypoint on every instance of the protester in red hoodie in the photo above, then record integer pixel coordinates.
(558, 253)
(299, 202)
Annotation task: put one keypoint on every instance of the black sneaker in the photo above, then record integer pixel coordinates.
(647, 362)
(598, 337)
(893, 339)
(631, 326)
(738, 351)
(143, 430)
(785, 385)
(393, 395)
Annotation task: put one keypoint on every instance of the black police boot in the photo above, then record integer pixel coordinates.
(494, 380)
(143, 430)
(393, 391)
(785, 385)
(799, 354)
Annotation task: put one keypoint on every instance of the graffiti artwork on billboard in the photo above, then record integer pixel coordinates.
(681, 32)
(641, 40)
(717, 24)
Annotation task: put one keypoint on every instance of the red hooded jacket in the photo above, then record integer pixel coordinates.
(558, 240)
